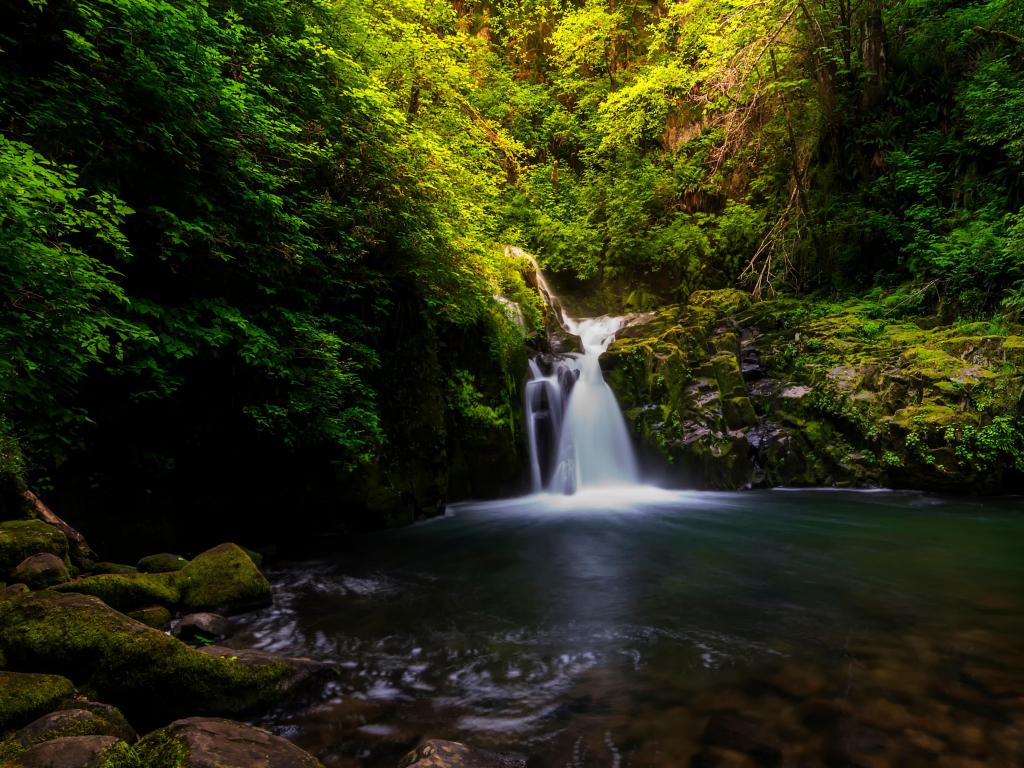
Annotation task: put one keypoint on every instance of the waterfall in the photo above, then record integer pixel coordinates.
(577, 434)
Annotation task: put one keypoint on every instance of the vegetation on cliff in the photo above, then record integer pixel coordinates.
(254, 247)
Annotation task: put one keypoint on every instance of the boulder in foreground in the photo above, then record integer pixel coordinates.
(203, 742)
(140, 669)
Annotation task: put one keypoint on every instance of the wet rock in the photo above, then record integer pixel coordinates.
(797, 681)
(20, 539)
(41, 571)
(165, 562)
(222, 580)
(201, 742)
(436, 753)
(742, 734)
(854, 745)
(925, 741)
(302, 676)
(70, 752)
(26, 696)
(202, 627)
(138, 668)
(87, 719)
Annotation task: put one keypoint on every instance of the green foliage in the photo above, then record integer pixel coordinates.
(1000, 442)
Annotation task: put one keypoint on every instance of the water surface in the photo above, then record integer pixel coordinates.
(610, 629)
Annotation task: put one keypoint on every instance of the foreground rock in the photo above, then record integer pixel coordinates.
(24, 697)
(136, 667)
(72, 752)
(78, 719)
(436, 753)
(200, 742)
(126, 591)
(41, 571)
(20, 539)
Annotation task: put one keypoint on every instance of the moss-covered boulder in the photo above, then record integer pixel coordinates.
(222, 580)
(78, 719)
(163, 562)
(20, 539)
(127, 591)
(203, 742)
(41, 571)
(144, 672)
(26, 696)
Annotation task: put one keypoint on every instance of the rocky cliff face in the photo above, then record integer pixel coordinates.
(784, 392)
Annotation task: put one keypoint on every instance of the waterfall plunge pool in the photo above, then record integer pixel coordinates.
(635, 627)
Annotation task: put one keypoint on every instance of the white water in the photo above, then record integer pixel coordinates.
(578, 436)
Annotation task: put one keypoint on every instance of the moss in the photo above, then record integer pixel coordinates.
(728, 375)
(127, 591)
(164, 562)
(929, 416)
(25, 696)
(85, 719)
(727, 301)
(23, 538)
(160, 749)
(111, 568)
(222, 579)
(738, 412)
(152, 616)
(139, 669)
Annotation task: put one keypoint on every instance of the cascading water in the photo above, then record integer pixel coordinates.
(577, 434)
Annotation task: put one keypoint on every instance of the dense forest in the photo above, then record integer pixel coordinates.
(254, 254)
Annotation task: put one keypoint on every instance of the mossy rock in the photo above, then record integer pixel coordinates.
(41, 571)
(164, 562)
(156, 616)
(20, 539)
(26, 696)
(76, 752)
(728, 375)
(930, 416)
(222, 580)
(85, 718)
(144, 672)
(127, 591)
(738, 413)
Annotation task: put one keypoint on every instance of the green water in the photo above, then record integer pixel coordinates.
(835, 628)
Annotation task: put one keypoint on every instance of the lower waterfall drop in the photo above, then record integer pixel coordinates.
(578, 436)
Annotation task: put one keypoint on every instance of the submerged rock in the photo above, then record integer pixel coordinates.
(40, 571)
(741, 734)
(136, 667)
(222, 580)
(20, 539)
(26, 696)
(200, 742)
(436, 753)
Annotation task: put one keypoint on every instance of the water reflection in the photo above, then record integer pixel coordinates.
(662, 628)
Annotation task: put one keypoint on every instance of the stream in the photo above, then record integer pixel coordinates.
(634, 627)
